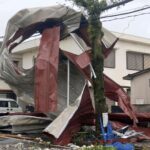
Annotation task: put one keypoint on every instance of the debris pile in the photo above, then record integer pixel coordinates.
(58, 83)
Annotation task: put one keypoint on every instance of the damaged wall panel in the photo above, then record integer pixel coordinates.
(46, 68)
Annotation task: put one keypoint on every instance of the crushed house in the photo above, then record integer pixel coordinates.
(57, 83)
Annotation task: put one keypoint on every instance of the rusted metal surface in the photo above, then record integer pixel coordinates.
(46, 68)
(115, 92)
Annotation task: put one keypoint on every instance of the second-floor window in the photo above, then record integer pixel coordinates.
(109, 62)
(138, 61)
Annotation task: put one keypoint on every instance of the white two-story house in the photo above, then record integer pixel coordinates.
(130, 54)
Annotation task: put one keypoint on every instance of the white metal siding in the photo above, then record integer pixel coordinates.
(140, 89)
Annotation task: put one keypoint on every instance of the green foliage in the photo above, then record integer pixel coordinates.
(82, 3)
(84, 138)
(93, 7)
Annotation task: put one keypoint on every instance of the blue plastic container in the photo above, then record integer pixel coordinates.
(120, 146)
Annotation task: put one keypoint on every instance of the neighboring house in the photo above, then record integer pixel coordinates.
(140, 89)
(131, 54)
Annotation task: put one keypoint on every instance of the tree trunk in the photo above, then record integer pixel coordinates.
(95, 30)
(94, 9)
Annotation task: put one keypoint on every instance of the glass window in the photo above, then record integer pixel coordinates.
(134, 61)
(138, 61)
(109, 61)
(13, 104)
(3, 103)
(146, 61)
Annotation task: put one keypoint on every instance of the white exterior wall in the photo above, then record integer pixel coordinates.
(28, 59)
(120, 70)
(140, 89)
(29, 55)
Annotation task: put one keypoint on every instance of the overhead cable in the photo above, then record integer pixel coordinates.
(119, 18)
(126, 13)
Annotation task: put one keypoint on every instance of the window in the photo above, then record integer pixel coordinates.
(109, 62)
(3, 103)
(13, 104)
(128, 91)
(138, 61)
(146, 61)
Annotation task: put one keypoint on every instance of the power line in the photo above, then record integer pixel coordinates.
(116, 4)
(146, 13)
(131, 9)
(126, 13)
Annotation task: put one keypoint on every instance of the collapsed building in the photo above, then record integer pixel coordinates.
(58, 83)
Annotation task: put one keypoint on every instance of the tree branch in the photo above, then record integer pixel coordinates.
(116, 4)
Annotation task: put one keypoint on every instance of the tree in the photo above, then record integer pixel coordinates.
(94, 9)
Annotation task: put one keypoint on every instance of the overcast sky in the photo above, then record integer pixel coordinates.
(139, 25)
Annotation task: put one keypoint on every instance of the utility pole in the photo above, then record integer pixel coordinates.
(94, 9)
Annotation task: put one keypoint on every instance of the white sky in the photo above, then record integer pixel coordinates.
(139, 25)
